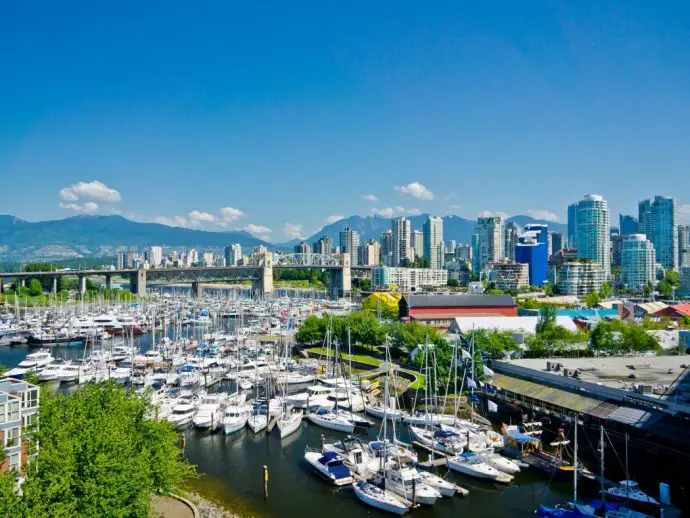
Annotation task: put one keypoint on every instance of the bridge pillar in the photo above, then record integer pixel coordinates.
(264, 284)
(82, 284)
(341, 279)
(197, 290)
(55, 284)
(137, 283)
(108, 282)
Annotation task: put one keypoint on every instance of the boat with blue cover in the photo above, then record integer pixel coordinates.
(330, 466)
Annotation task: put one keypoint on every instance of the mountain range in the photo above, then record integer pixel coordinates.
(89, 236)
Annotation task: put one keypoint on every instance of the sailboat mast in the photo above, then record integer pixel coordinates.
(575, 466)
(601, 446)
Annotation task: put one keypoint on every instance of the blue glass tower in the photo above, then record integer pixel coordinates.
(535, 256)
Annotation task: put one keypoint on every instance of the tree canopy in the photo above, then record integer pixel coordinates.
(616, 336)
(99, 456)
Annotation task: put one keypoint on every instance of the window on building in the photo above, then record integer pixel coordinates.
(3, 413)
(32, 398)
(11, 437)
(13, 464)
(14, 411)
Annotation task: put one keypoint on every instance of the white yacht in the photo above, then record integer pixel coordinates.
(404, 481)
(182, 412)
(316, 395)
(235, 418)
(210, 412)
(52, 372)
(474, 465)
(289, 422)
(327, 419)
(381, 499)
(33, 362)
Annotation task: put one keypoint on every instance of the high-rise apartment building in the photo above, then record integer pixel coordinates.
(433, 241)
(665, 231)
(417, 241)
(323, 246)
(233, 254)
(387, 247)
(638, 260)
(302, 248)
(535, 256)
(644, 218)
(370, 253)
(349, 244)
(510, 240)
(401, 245)
(558, 242)
(580, 278)
(593, 228)
(683, 245)
(490, 243)
(154, 255)
(572, 225)
(628, 225)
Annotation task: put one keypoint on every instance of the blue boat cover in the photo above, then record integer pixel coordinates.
(328, 456)
(444, 433)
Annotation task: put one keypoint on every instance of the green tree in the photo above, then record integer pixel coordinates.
(453, 283)
(312, 330)
(100, 455)
(592, 299)
(665, 288)
(384, 304)
(35, 288)
(605, 291)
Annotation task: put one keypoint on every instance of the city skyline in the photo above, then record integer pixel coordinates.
(394, 114)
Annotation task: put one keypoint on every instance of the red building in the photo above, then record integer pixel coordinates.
(674, 312)
(440, 310)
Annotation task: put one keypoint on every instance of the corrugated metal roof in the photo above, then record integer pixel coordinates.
(652, 307)
(502, 323)
(430, 301)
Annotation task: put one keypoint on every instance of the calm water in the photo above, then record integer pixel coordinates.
(232, 472)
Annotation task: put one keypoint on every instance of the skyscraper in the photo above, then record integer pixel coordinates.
(644, 218)
(475, 253)
(154, 255)
(593, 228)
(665, 231)
(539, 231)
(490, 240)
(557, 242)
(387, 247)
(638, 261)
(628, 225)
(572, 225)
(323, 246)
(233, 254)
(683, 245)
(417, 243)
(370, 253)
(510, 239)
(535, 256)
(400, 228)
(349, 244)
(433, 241)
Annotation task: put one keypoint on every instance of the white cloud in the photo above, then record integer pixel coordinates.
(333, 219)
(411, 212)
(90, 190)
(684, 213)
(370, 197)
(543, 214)
(257, 229)
(455, 206)
(230, 214)
(88, 207)
(385, 213)
(293, 230)
(201, 217)
(175, 221)
(415, 190)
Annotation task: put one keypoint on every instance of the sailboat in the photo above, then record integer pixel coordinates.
(290, 418)
(380, 499)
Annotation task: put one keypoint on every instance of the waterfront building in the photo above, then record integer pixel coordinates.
(19, 403)
(508, 275)
(370, 253)
(433, 241)
(664, 231)
(593, 231)
(349, 244)
(628, 225)
(387, 247)
(233, 254)
(558, 242)
(490, 240)
(441, 310)
(407, 279)
(638, 259)
(401, 244)
(417, 242)
(303, 248)
(510, 240)
(572, 225)
(683, 245)
(580, 278)
(534, 255)
(323, 246)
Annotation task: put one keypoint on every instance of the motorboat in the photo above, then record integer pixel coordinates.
(209, 413)
(405, 481)
(379, 411)
(330, 466)
(393, 450)
(235, 418)
(325, 418)
(442, 441)
(357, 455)
(70, 373)
(51, 372)
(474, 465)
(429, 419)
(629, 490)
(440, 484)
(316, 395)
(495, 460)
(380, 499)
(34, 362)
(182, 413)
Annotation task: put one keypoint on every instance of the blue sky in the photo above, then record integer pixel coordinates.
(286, 114)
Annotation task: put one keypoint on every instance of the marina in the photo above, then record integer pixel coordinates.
(225, 374)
